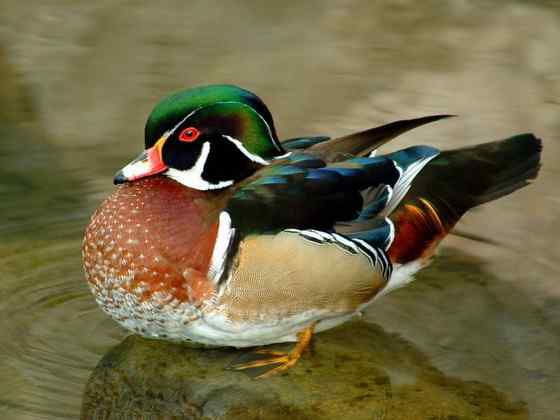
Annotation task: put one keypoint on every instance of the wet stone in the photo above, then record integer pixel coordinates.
(351, 372)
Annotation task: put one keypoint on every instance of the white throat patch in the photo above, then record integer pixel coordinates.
(192, 177)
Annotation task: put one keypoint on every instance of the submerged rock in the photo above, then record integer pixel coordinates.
(357, 371)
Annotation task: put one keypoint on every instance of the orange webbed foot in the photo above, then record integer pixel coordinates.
(283, 360)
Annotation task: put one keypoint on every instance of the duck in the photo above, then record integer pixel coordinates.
(218, 233)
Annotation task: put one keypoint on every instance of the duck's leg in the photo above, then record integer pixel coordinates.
(283, 360)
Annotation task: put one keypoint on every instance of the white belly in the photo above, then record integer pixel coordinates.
(213, 329)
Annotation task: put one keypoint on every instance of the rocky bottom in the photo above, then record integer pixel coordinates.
(357, 371)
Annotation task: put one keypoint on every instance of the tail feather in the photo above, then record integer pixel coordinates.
(452, 183)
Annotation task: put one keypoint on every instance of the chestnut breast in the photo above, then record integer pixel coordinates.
(151, 236)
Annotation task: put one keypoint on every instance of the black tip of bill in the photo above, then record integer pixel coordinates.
(119, 178)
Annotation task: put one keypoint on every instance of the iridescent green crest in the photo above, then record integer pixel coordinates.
(241, 111)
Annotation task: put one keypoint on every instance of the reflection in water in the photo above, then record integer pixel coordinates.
(42, 198)
(51, 332)
(76, 82)
(357, 372)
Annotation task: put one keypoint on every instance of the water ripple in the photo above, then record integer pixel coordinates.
(53, 334)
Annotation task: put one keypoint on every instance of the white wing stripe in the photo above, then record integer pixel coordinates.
(403, 184)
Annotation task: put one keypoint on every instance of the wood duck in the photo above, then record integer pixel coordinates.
(220, 234)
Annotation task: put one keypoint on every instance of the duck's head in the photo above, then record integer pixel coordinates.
(206, 138)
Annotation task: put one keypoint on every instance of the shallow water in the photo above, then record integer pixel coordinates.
(477, 336)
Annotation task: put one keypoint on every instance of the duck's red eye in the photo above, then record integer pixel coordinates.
(189, 134)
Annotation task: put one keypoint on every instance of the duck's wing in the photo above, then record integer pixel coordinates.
(323, 195)
(304, 192)
(301, 230)
(277, 236)
(326, 181)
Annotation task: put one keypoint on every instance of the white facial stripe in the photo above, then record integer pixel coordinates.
(251, 156)
(282, 156)
(274, 142)
(169, 132)
(221, 248)
(193, 177)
